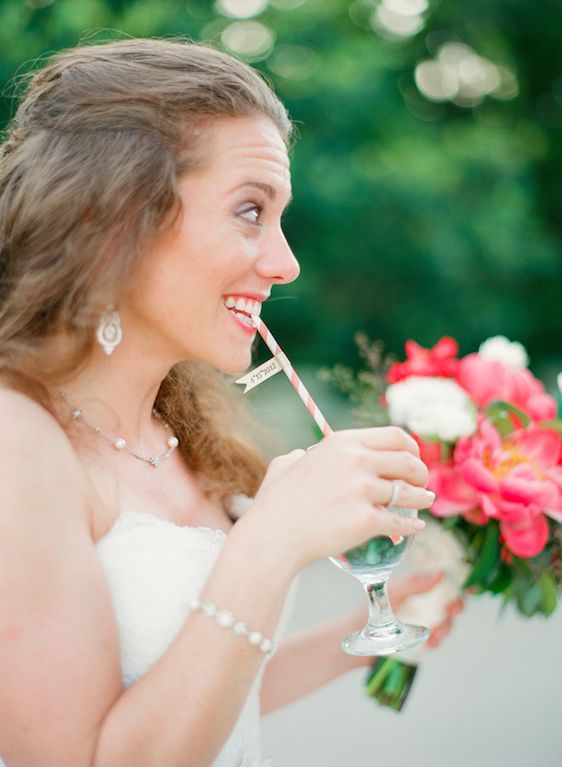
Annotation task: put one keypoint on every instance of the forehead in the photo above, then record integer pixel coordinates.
(236, 147)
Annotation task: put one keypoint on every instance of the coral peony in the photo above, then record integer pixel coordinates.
(488, 380)
(454, 495)
(517, 479)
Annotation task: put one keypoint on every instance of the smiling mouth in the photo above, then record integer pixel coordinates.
(243, 308)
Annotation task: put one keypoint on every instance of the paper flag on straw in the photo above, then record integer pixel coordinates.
(260, 374)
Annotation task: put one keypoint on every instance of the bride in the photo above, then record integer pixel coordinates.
(142, 185)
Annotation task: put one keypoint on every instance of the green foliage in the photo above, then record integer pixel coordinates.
(486, 548)
(363, 388)
(412, 218)
(506, 417)
(532, 584)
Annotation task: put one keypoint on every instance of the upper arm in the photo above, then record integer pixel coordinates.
(59, 657)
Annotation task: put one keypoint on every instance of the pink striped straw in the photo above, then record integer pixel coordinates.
(298, 386)
(289, 371)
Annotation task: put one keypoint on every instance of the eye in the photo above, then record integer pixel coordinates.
(251, 212)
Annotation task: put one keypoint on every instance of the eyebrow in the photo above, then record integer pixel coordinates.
(267, 189)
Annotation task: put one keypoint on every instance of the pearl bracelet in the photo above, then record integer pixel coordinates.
(226, 620)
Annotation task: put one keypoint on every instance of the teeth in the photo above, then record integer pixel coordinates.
(247, 305)
(245, 319)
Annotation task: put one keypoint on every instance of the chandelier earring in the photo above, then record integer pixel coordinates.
(109, 333)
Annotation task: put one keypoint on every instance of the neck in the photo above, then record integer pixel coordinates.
(117, 394)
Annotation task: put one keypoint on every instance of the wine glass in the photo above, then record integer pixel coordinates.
(372, 563)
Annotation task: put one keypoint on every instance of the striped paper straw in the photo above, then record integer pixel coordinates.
(289, 371)
(298, 385)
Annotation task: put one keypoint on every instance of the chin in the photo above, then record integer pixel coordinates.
(235, 366)
(234, 370)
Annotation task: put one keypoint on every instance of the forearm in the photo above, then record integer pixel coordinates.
(182, 711)
(308, 660)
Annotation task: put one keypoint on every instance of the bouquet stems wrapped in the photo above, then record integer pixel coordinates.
(389, 681)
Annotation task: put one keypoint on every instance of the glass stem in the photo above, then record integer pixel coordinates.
(380, 611)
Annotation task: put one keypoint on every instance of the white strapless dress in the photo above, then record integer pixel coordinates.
(154, 569)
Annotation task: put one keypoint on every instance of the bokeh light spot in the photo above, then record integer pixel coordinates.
(241, 9)
(294, 62)
(407, 7)
(435, 82)
(286, 5)
(250, 39)
(394, 25)
(460, 75)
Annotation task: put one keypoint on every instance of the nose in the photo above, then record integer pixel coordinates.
(278, 263)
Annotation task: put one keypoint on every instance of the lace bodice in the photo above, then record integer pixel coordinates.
(154, 569)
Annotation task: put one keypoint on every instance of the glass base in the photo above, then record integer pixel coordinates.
(384, 640)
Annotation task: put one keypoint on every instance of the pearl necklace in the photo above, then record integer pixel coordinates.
(119, 443)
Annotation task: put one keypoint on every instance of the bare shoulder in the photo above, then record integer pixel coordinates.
(38, 460)
(56, 606)
(18, 409)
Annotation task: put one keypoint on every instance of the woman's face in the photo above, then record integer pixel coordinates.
(216, 265)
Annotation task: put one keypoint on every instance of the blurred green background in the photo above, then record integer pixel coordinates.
(427, 178)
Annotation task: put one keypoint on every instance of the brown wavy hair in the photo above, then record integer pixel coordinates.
(90, 166)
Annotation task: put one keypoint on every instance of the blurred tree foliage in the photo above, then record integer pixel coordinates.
(413, 216)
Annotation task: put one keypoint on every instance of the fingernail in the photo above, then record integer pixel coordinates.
(430, 495)
(419, 524)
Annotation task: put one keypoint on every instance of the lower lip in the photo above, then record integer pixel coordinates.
(249, 329)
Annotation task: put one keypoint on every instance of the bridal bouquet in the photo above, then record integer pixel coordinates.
(492, 439)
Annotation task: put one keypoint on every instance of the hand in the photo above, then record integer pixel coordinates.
(438, 633)
(316, 504)
(402, 590)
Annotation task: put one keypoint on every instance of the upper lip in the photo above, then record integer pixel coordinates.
(261, 297)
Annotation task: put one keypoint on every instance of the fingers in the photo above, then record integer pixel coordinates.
(438, 633)
(409, 497)
(400, 464)
(417, 583)
(282, 462)
(388, 523)
(455, 608)
(391, 461)
(384, 438)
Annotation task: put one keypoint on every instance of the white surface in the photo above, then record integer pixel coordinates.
(490, 696)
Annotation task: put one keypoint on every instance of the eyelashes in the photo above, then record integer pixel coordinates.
(251, 212)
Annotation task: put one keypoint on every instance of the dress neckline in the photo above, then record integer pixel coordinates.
(149, 518)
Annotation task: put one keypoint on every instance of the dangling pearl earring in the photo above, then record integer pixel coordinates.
(109, 333)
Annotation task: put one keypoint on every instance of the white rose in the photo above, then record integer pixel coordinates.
(559, 382)
(501, 349)
(432, 407)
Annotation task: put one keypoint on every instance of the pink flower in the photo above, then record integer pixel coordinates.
(454, 495)
(488, 380)
(517, 479)
(439, 361)
(430, 451)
